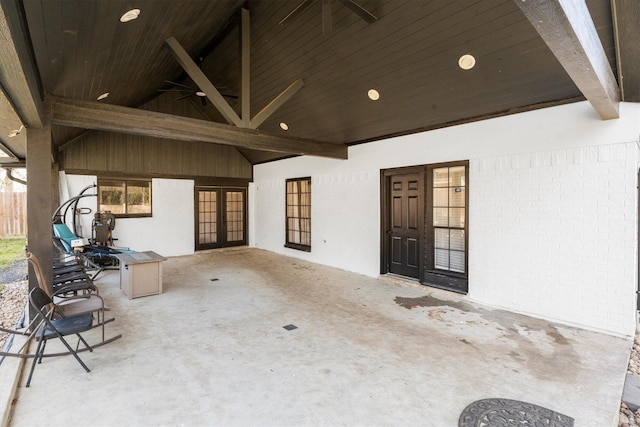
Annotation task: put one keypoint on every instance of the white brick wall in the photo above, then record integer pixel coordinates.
(168, 232)
(553, 210)
(334, 197)
(557, 234)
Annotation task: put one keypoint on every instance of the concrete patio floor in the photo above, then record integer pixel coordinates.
(212, 350)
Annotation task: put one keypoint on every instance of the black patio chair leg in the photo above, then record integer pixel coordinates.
(36, 356)
(40, 301)
(44, 345)
(101, 321)
(73, 352)
(86, 344)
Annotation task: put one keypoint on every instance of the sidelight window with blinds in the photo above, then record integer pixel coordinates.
(448, 222)
(298, 214)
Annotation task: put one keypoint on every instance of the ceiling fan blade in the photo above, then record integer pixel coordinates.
(326, 17)
(295, 12)
(174, 90)
(183, 97)
(178, 84)
(203, 100)
(359, 10)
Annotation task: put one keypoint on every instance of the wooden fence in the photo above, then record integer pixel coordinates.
(13, 214)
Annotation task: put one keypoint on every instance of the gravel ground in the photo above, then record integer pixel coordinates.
(628, 418)
(16, 273)
(13, 296)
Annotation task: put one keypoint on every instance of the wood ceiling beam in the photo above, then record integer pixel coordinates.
(218, 101)
(363, 13)
(295, 12)
(203, 82)
(115, 118)
(245, 80)
(626, 16)
(277, 102)
(18, 75)
(245, 68)
(567, 28)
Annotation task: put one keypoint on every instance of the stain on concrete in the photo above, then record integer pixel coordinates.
(557, 336)
(303, 267)
(538, 344)
(429, 301)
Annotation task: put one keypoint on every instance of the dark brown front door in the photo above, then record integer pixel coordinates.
(405, 224)
(424, 227)
(221, 217)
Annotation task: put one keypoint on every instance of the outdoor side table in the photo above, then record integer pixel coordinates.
(141, 273)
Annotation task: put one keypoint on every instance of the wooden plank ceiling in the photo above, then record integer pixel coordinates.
(410, 55)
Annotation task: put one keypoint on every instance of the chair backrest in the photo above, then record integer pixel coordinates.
(64, 235)
(37, 268)
(39, 300)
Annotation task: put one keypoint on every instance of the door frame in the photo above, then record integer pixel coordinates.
(220, 215)
(454, 282)
(450, 281)
(385, 216)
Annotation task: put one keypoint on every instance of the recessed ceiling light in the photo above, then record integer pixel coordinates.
(284, 126)
(373, 94)
(467, 62)
(201, 93)
(103, 96)
(130, 15)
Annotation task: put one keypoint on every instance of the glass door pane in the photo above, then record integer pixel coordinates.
(221, 217)
(235, 216)
(207, 217)
(449, 218)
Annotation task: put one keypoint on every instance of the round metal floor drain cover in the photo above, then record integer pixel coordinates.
(506, 412)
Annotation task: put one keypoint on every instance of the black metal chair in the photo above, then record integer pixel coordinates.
(68, 278)
(85, 300)
(56, 328)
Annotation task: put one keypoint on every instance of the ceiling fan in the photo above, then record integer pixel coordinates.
(188, 91)
(354, 7)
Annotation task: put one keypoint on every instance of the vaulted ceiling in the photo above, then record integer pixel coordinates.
(79, 49)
